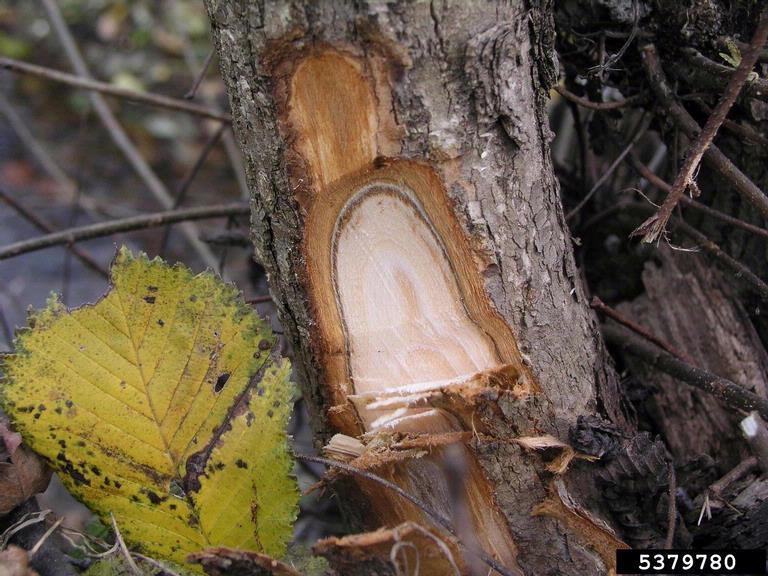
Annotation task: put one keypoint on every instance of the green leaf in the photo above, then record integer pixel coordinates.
(161, 404)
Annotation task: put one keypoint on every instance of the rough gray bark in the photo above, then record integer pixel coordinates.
(472, 103)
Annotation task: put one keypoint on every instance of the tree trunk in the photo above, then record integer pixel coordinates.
(406, 211)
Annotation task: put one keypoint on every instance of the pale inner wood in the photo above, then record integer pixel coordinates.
(406, 325)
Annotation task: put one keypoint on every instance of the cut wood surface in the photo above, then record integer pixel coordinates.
(400, 306)
(406, 211)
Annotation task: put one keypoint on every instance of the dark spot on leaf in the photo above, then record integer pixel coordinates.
(25, 409)
(220, 382)
(241, 463)
(152, 288)
(69, 403)
(107, 481)
(42, 408)
(220, 466)
(149, 299)
(276, 404)
(249, 418)
(264, 345)
(270, 413)
(81, 443)
(260, 391)
(172, 506)
(60, 457)
(160, 322)
(118, 484)
(95, 470)
(37, 416)
(134, 498)
(62, 443)
(58, 410)
(154, 498)
(193, 298)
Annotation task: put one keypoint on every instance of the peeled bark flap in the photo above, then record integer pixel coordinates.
(405, 209)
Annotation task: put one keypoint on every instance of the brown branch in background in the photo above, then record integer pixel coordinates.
(41, 224)
(259, 299)
(672, 510)
(181, 191)
(586, 103)
(652, 228)
(118, 134)
(713, 156)
(437, 518)
(733, 395)
(657, 181)
(607, 174)
(157, 100)
(200, 75)
(612, 313)
(706, 75)
(123, 225)
(746, 132)
(727, 260)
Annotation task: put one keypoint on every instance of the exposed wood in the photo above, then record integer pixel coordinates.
(442, 145)
(397, 297)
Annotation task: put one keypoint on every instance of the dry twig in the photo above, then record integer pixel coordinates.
(733, 395)
(157, 100)
(712, 155)
(117, 133)
(654, 227)
(586, 103)
(122, 225)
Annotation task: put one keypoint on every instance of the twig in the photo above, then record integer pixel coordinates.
(607, 174)
(741, 469)
(654, 227)
(713, 156)
(705, 74)
(228, 238)
(672, 509)
(614, 314)
(157, 100)
(117, 133)
(436, 518)
(191, 60)
(123, 547)
(200, 75)
(655, 180)
(40, 224)
(586, 103)
(45, 537)
(181, 191)
(744, 131)
(727, 260)
(260, 299)
(733, 395)
(122, 225)
(754, 430)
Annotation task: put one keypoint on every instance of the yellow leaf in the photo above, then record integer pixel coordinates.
(162, 405)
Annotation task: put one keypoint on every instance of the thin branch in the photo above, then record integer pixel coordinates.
(149, 98)
(40, 224)
(614, 314)
(586, 103)
(200, 75)
(733, 395)
(705, 74)
(672, 508)
(181, 191)
(727, 260)
(123, 225)
(745, 131)
(654, 227)
(713, 156)
(662, 184)
(607, 174)
(436, 518)
(117, 133)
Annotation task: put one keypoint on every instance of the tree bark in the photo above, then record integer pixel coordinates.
(459, 95)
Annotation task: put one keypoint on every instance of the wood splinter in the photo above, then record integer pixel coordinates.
(396, 292)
